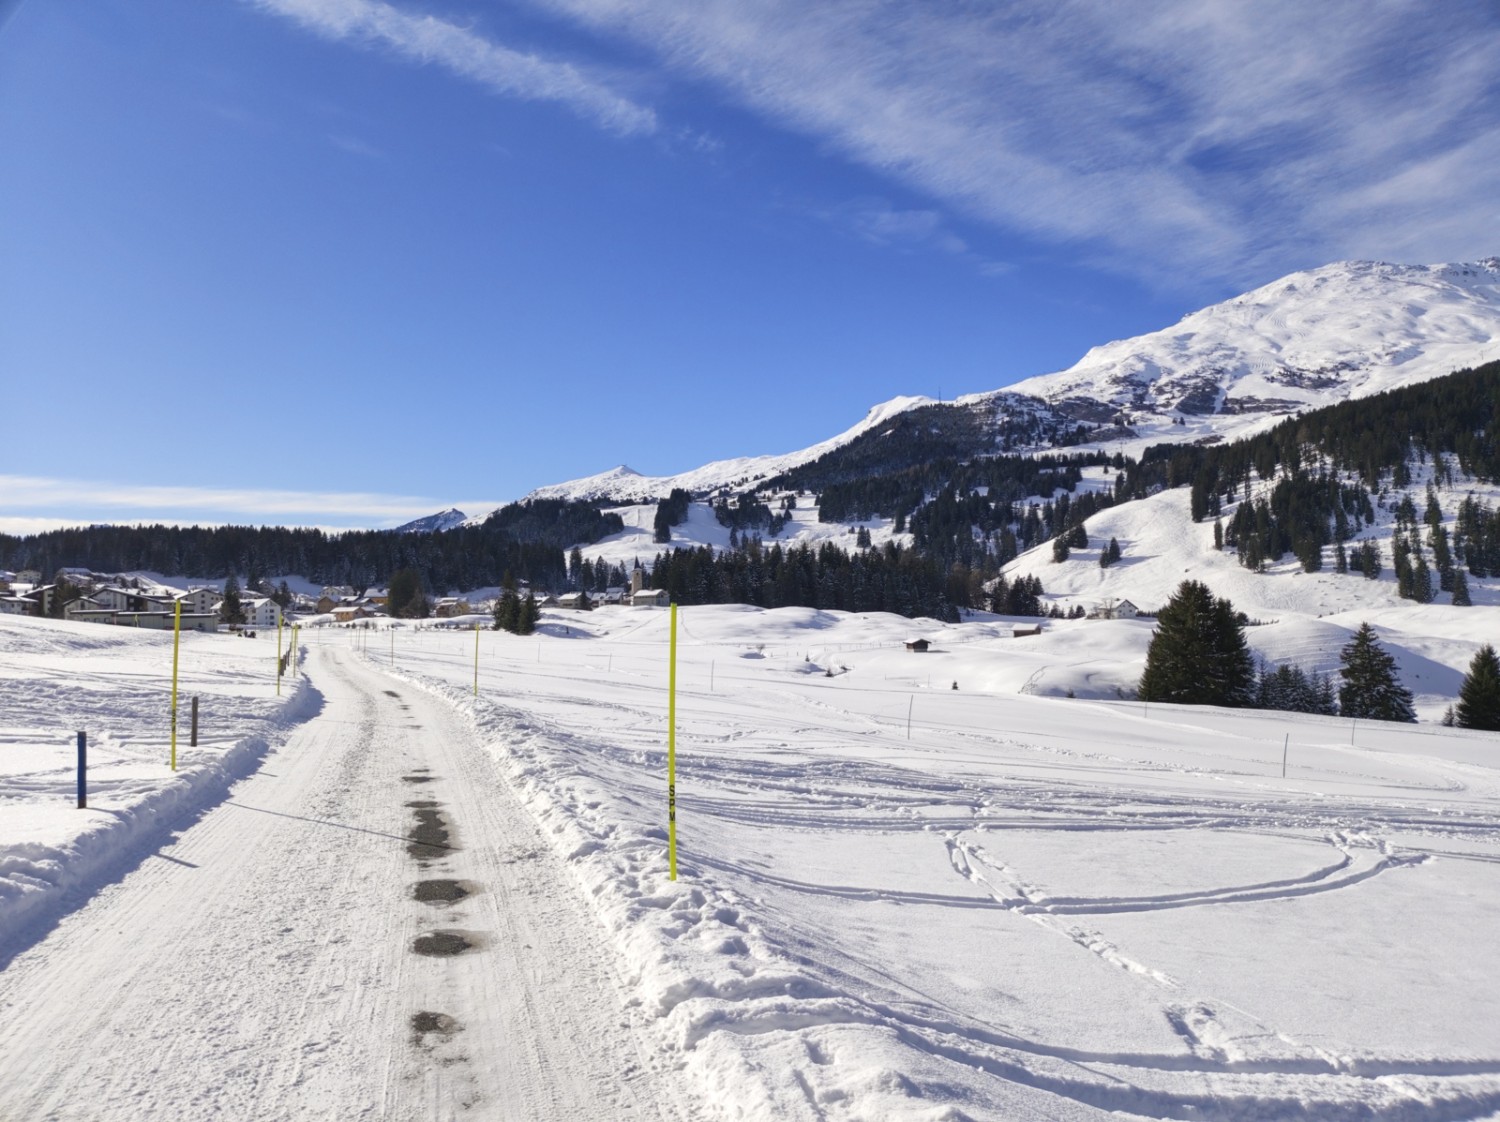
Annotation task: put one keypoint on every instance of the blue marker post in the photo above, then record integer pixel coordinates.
(83, 763)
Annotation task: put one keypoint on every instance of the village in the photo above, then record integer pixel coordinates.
(83, 596)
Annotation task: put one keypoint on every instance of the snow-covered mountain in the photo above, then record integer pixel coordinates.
(1310, 339)
(443, 520)
(626, 485)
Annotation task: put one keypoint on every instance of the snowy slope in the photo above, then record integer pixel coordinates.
(1301, 617)
(1346, 330)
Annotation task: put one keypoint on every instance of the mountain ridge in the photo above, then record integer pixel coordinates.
(1311, 338)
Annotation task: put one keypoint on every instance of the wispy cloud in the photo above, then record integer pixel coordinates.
(70, 502)
(907, 230)
(428, 39)
(355, 146)
(1208, 136)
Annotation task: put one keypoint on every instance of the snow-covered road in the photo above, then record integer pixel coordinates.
(270, 964)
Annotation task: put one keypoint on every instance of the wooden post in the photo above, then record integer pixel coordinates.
(909, 703)
(194, 741)
(83, 764)
(1284, 749)
(176, 643)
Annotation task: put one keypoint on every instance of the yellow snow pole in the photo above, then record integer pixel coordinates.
(672, 750)
(176, 646)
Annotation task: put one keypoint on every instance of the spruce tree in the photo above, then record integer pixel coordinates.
(230, 610)
(405, 598)
(1371, 689)
(508, 606)
(529, 614)
(1461, 590)
(1479, 696)
(1198, 654)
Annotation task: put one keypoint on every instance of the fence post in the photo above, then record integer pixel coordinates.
(83, 763)
(195, 721)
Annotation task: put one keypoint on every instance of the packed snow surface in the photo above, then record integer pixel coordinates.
(898, 899)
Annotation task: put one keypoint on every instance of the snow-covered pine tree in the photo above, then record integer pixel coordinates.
(1198, 654)
(1371, 689)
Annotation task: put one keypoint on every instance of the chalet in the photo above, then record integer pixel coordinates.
(613, 596)
(578, 601)
(919, 646)
(327, 603)
(1022, 632)
(348, 613)
(651, 598)
(15, 606)
(449, 606)
(1115, 609)
(6, 576)
(379, 597)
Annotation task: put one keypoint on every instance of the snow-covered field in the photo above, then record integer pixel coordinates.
(912, 886)
(115, 683)
(1013, 906)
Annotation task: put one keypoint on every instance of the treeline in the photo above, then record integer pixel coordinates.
(525, 539)
(985, 531)
(1375, 438)
(886, 579)
(897, 493)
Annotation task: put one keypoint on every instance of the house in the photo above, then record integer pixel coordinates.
(1115, 609)
(6, 576)
(449, 606)
(578, 601)
(1022, 632)
(41, 599)
(200, 601)
(380, 597)
(348, 613)
(651, 598)
(15, 606)
(614, 596)
(261, 611)
(327, 603)
(337, 592)
(918, 645)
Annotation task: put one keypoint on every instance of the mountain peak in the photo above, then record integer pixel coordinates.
(443, 520)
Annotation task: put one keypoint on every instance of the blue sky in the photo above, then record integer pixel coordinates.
(344, 262)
